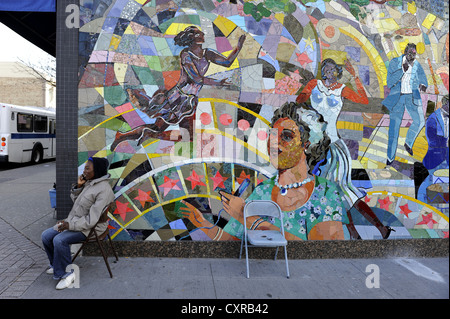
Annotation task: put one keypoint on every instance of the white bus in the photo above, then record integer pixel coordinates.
(27, 133)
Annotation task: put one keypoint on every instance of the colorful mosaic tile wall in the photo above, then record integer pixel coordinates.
(179, 95)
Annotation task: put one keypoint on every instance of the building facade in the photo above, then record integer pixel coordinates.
(20, 85)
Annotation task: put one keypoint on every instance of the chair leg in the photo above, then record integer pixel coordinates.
(83, 243)
(104, 256)
(78, 252)
(112, 247)
(276, 253)
(240, 253)
(287, 265)
(246, 259)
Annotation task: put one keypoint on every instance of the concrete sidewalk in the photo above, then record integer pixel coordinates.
(25, 212)
(21, 262)
(172, 278)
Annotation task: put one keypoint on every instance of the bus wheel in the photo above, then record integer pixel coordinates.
(36, 154)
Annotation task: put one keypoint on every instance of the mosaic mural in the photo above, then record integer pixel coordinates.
(336, 110)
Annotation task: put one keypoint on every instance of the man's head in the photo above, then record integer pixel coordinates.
(95, 167)
(410, 52)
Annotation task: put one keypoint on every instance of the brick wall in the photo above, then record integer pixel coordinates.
(22, 91)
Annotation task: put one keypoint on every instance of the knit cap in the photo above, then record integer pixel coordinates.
(100, 166)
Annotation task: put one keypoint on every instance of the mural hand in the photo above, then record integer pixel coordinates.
(241, 41)
(233, 205)
(349, 68)
(225, 82)
(192, 213)
(405, 67)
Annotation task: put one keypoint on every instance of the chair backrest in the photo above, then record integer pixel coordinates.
(263, 208)
(103, 219)
(104, 216)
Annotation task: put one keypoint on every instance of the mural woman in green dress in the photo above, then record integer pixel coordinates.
(313, 206)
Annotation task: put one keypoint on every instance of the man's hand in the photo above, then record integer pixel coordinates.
(81, 180)
(422, 87)
(405, 66)
(62, 226)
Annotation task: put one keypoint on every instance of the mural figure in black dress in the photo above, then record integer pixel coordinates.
(177, 106)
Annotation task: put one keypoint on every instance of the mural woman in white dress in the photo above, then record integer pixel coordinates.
(327, 96)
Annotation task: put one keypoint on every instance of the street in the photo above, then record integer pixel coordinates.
(24, 197)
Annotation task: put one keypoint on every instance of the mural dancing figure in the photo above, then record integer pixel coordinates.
(177, 106)
(312, 205)
(327, 98)
(405, 78)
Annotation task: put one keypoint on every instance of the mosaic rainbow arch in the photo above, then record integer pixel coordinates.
(129, 44)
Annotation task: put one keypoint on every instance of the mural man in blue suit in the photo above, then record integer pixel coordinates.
(405, 78)
(437, 157)
(436, 131)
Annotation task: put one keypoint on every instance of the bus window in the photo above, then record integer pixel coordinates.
(40, 123)
(24, 122)
(52, 127)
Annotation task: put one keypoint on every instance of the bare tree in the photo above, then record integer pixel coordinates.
(44, 69)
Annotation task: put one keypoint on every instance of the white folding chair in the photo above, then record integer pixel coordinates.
(263, 238)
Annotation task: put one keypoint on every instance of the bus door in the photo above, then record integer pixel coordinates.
(52, 132)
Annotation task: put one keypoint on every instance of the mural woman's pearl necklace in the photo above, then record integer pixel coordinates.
(284, 188)
(332, 86)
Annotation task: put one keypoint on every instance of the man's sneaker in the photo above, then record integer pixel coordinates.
(408, 149)
(49, 271)
(66, 282)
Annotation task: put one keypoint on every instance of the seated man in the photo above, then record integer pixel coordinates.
(90, 195)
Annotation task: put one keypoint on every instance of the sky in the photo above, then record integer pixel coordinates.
(15, 47)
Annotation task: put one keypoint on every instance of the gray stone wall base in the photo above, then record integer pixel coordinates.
(424, 247)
